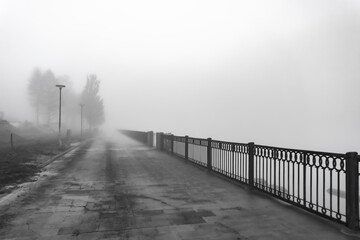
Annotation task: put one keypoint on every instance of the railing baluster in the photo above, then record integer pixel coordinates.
(352, 190)
(220, 158)
(233, 160)
(317, 188)
(274, 171)
(172, 144)
(251, 163)
(304, 176)
(187, 147)
(209, 154)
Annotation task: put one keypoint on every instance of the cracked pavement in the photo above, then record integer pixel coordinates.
(116, 188)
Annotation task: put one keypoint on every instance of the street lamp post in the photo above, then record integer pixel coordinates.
(60, 87)
(82, 106)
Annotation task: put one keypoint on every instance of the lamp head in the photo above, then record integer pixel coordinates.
(60, 86)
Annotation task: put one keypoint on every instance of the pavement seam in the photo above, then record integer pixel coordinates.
(61, 154)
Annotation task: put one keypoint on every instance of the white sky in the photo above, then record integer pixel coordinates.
(277, 72)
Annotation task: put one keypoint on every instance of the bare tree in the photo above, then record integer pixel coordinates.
(71, 101)
(43, 94)
(94, 106)
(35, 92)
(50, 95)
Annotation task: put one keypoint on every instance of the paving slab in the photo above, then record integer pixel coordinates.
(117, 188)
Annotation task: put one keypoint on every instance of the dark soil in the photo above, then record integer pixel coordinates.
(21, 164)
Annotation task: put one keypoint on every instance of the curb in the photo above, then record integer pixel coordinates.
(10, 197)
(60, 155)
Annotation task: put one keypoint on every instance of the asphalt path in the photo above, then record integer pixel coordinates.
(116, 188)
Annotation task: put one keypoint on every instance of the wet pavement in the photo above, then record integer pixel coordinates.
(116, 188)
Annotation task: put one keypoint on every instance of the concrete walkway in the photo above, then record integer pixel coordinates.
(118, 189)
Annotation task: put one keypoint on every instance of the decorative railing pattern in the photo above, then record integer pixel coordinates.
(312, 180)
(323, 183)
(230, 159)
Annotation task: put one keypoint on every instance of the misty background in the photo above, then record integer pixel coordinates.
(281, 73)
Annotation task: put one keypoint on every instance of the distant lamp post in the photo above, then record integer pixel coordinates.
(81, 122)
(60, 87)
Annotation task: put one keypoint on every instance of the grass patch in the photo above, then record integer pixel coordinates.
(23, 163)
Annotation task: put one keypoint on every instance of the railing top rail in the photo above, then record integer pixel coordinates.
(200, 139)
(227, 142)
(341, 155)
(179, 136)
(192, 138)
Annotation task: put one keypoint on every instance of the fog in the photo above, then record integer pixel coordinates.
(281, 73)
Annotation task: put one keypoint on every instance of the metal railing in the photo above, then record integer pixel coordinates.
(323, 183)
(143, 137)
(308, 179)
(230, 159)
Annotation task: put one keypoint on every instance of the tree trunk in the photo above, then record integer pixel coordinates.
(37, 114)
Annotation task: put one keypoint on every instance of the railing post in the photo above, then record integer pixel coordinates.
(232, 160)
(150, 138)
(352, 190)
(251, 163)
(172, 144)
(161, 141)
(186, 147)
(157, 141)
(209, 154)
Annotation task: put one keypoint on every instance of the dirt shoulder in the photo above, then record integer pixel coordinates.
(24, 163)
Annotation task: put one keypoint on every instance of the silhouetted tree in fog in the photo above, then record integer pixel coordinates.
(43, 94)
(70, 103)
(44, 98)
(94, 106)
(34, 89)
(51, 95)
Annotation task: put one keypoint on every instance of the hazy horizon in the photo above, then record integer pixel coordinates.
(280, 73)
